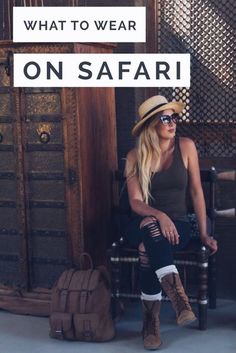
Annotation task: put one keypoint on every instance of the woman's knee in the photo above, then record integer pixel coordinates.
(152, 227)
(147, 220)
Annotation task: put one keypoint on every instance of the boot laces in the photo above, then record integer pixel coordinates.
(180, 299)
(151, 323)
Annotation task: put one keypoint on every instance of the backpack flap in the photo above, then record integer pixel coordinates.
(82, 284)
(86, 326)
(64, 280)
(61, 326)
(60, 291)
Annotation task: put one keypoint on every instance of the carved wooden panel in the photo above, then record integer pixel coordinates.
(57, 156)
(9, 227)
(42, 128)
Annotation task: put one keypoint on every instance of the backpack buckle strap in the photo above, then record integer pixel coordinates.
(83, 298)
(58, 330)
(87, 333)
(63, 299)
(59, 334)
(68, 278)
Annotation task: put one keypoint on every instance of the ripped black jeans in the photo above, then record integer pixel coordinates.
(158, 251)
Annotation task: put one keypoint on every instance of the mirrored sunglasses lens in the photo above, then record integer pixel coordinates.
(175, 117)
(174, 120)
(165, 119)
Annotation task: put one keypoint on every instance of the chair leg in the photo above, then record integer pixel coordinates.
(212, 282)
(115, 278)
(203, 283)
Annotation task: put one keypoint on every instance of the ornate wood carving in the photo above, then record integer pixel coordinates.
(60, 152)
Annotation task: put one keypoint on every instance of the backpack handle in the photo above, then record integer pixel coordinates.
(82, 260)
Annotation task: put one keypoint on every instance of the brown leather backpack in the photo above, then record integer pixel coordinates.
(80, 306)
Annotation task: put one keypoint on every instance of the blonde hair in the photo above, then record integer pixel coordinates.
(148, 150)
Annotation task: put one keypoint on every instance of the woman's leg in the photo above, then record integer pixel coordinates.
(151, 301)
(150, 288)
(160, 255)
(149, 283)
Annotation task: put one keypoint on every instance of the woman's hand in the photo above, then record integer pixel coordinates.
(211, 243)
(168, 229)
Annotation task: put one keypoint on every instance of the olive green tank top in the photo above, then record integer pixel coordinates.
(169, 186)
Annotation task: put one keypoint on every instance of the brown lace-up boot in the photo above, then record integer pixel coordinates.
(172, 285)
(151, 324)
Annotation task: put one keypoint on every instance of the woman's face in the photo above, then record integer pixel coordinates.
(166, 131)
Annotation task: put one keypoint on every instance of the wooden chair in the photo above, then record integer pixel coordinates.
(124, 260)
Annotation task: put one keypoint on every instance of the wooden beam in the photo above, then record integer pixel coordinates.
(152, 36)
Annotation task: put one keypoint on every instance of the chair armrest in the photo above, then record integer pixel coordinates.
(228, 175)
(229, 213)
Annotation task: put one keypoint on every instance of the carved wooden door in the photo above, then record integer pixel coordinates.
(33, 223)
(57, 157)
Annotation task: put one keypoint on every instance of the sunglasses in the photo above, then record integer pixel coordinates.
(167, 119)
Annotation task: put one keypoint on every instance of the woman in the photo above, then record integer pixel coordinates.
(158, 171)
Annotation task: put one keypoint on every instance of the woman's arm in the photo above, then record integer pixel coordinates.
(197, 195)
(141, 208)
(134, 191)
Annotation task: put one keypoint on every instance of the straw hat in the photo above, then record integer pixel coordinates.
(152, 106)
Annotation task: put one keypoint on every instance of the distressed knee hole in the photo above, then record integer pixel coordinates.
(144, 260)
(141, 247)
(152, 226)
(146, 221)
(143, 257)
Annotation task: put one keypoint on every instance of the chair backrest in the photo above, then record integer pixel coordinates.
(122, 211)
(209, 177)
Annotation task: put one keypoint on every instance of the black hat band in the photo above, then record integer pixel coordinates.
(153, 109)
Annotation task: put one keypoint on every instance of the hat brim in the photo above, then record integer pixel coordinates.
(176, 106)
